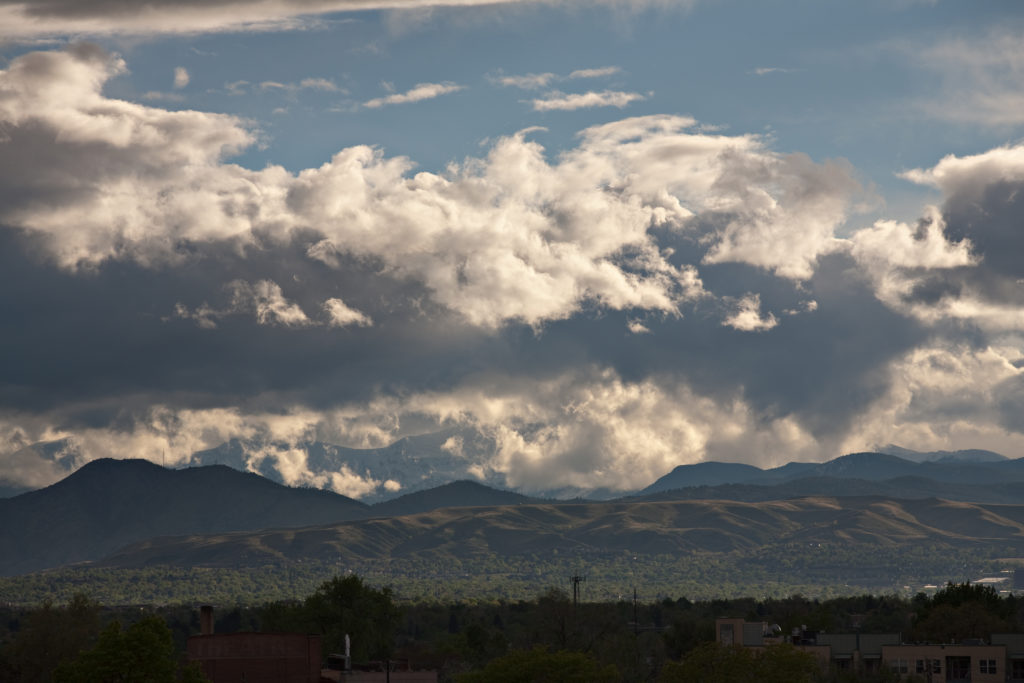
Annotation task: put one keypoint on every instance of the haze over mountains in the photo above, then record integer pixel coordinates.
(426, 461)
(37, 465)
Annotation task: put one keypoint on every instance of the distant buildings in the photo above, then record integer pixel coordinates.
(1001, 660)
(257, 657)
(284, 658)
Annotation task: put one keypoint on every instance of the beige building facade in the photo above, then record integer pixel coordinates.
(999, 660)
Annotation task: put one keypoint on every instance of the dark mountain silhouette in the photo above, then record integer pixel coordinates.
(456, 494)
(421, 462)
(109, 503)
(968, 455)
(874, 467)
(870, 466)
(704, 474)
(11, 491)
(959, 472)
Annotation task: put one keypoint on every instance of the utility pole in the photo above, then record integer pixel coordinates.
(576, 580)
(636, 616)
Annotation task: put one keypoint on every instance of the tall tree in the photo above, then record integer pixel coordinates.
(339, 607)
(962, 610)
(142, 652)
(53, 635)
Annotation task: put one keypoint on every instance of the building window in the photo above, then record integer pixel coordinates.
(920, 667)
(936, 666)
(900, 666)
(988, 666)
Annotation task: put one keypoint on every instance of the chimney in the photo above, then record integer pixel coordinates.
(206, 620)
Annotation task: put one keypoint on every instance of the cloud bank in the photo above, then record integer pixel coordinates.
(651, 295)
(508, 237)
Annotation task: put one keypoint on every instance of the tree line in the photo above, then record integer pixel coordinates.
(820, 570)
(548, 638)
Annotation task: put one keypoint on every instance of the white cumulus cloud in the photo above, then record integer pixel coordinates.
(527, 81)
(181, 77)
(599, 72)
(747, 316)
(558, 101)
(341, 315)
(422, 91)
(267, 303)
(510, 236)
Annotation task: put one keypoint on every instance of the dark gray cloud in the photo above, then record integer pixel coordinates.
(992, 221)
(82, 338)
(825, 366)
(983, 209)
(95, 346)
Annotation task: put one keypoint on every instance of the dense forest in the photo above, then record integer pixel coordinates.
(523, 640)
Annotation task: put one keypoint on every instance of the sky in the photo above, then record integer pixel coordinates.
(612, 236)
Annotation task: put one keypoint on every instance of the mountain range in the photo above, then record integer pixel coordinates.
(120, 509)
(964, 467)
(107, 504)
